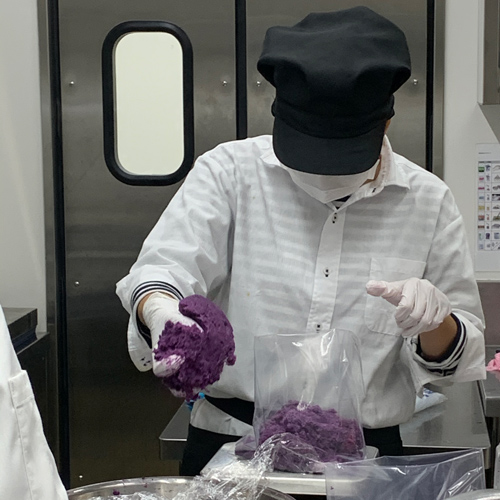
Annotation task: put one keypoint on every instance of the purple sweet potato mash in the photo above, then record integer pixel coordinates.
(332, 437)
(205, 352)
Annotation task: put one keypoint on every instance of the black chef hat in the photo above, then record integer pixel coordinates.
(335, 74)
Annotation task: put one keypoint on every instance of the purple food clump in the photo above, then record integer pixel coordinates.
(116, 492)
(205, 352)
(333, 438)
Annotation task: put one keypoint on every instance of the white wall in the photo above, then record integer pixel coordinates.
(22, 253)
(464, 123)
(22, 272)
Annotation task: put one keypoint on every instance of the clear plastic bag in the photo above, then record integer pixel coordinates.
(496, 469)
(132, 496)
(428, 399)
(309, 388)
(435, 476)
(234, 481)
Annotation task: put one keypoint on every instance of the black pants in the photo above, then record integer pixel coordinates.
(202, 445)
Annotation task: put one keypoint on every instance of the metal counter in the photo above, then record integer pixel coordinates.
(173, 438)
(490, 388)
(21, 322)
(490, 395)
(288, 482)
(458, 423)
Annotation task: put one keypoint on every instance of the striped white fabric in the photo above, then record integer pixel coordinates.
(276, 260)
(450, 360)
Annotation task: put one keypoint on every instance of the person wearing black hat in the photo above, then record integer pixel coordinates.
(319, 226)
(335, 76)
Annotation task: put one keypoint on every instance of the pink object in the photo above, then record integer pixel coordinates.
(204, 352)
(494, 364)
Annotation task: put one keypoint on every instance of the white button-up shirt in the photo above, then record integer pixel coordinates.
(277, 260)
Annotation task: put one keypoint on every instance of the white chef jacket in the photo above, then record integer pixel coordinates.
(27, 467)
(277, 260)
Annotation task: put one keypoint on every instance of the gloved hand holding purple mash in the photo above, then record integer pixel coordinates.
(200, 349)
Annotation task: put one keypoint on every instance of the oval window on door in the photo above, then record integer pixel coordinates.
(147, 71)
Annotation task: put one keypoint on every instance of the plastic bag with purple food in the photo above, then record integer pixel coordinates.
(309, 388)
(205, 351)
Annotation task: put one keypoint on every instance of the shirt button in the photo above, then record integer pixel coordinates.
(318, 327)
(334, 219)
(326, 271)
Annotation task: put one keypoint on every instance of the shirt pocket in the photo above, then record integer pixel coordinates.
(379, 314)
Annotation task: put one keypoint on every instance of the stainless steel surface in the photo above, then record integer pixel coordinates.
(479, 495)
(489, 292)
(173, 438)
(293, 484)
(407, 130)
(489, 81)
(167, 487)
(438, 111)
(51, 428)
(20, 320)
(491, 51)
(490, 398)
(116, 412)
(490, 387)
(458, 423)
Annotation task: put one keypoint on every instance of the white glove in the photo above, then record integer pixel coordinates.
(157, 310)
(420, 306)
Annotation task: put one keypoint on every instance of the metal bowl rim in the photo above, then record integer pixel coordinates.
(117, 483)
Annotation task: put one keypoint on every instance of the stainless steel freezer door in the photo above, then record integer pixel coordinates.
(117, 413)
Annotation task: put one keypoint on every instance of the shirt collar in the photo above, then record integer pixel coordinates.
(270, 158)
(391, 174)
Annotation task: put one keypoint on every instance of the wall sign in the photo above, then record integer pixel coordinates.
(488, 208)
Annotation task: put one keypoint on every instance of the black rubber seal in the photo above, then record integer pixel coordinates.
(108, 100)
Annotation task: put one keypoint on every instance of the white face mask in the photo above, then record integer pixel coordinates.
(327, 188)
